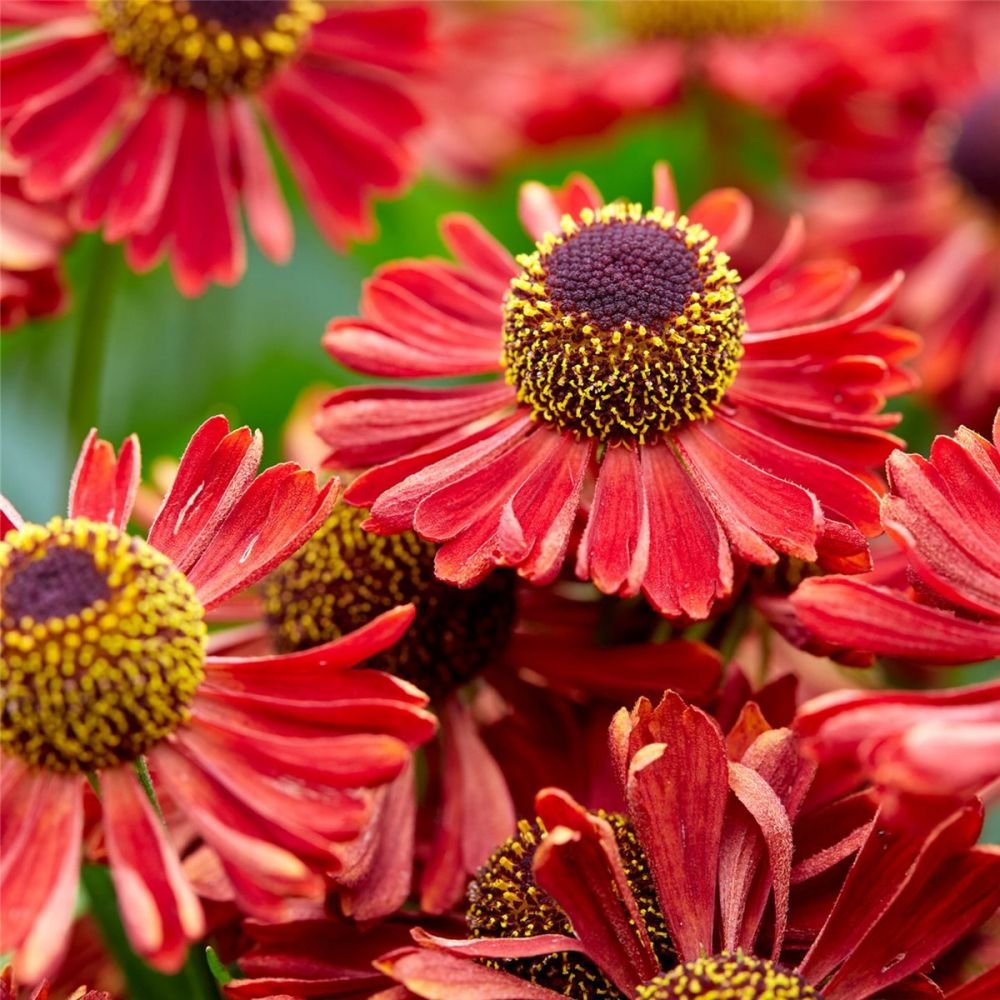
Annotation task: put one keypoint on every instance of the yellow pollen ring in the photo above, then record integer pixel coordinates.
(177, 44)
(633, 381)
(102, 682)
(729, 976)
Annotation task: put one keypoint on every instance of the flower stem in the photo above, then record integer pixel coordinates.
(91, 343)
(142, 770)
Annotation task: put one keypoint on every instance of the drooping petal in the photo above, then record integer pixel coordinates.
(477, 812)
(578, 864)
(41, 814)
(159, 909)
(852, 613)
(614, 551)
(690, 564)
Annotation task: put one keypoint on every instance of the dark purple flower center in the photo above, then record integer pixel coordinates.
(975, 155)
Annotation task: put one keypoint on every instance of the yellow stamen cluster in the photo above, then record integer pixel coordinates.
(729, 976)
(217, 47)
(505, 902)
(344, 576)
(103, 645)
(692, 19)
(624, 326)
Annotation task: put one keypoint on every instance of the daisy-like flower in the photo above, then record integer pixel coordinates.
(909, 743)
(945, 514)
(31, 244)
(717, 418)
(147, 115)
(726, 878)
(106, 664)
(464, 649)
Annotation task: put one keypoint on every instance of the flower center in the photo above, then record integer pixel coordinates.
(505, 902)
(624, 326)
(704, 18)
(729, 976)
(975, 155)
(344, 576)
(214, 46)
(103, 645)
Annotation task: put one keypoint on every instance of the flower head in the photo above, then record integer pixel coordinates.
(630, 357)
(145, 115)
(765, 884)
(945, 514)
(105, 664)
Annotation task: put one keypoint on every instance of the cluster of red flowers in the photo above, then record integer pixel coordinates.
(522, 678)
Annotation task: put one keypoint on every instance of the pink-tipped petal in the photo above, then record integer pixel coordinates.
(159, 909)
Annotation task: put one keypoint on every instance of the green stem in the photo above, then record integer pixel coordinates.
(142, 770)
(91, 343)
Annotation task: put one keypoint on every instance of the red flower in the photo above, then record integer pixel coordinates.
(104, 664)
(31, 283)
(727, 866)
(945, 513)
(897, 112)
(626, 353)
(909, 743)
(147, 115)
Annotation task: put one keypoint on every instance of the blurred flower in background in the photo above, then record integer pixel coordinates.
(147, 117)
(31, 243)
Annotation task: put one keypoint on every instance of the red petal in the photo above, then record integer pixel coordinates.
(740, 856)
(664, 190)
(726, 213)
(759, 512)
(881, 871)
(128, 189)
(267, 213)
(853, 614)
(103, 487)
(62, 140)
(384, 883)
(578, 864)
(536, 521)
(538, 210)
(214, 471)
(370, 425)
(474, 247)
(808, 293)
(10, 519)
(780, 260)
(949, 893)
(439, 976)
(688, 569)
(614, 550)
(283, 507)
(159, 909)
(477, 812)
(41, 813)
(686, 780)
